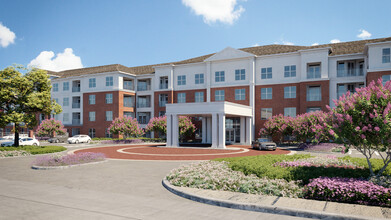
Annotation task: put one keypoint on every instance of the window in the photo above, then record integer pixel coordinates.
(266, 93)
(108, 134)
(127, 84)
(291, 111)
(313, 109)
(219, 95)
(92, 83)
(314, 93)
(240, 94)
(162, 113)
(65, 117)
(266, 73)
(240, 74)
(91, 116)
(386, 78)
(109, 81)
(76, 86)
(109, 115)
(181, 97)
(181, 80)
(128, 101)
(65, 101)
(143, 101)
(109, 98)
(163, 99)
(65, 86)
(57, 117)
(199, 97)
(313, 71)
(266, 113)
(290, 92)
(290, 71)
(219, 76)
(91, 99)
(56, 100)
(163, 82)
(386, 55)
(199, 78)
(76, 102)
(143, 117)
(55, 87)
(91, 132)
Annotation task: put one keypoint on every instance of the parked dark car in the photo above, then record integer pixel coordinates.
(59, 138)
(264, 144)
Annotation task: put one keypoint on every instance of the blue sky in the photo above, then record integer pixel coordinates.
(139, 32)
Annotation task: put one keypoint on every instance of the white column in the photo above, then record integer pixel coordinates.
(214, 131)
(242, 130)
(252, 95)
(169, 130)
(208, 130)
(203, 129)
(248, 130)
(208, 79)
(221, 130)
(175, 131)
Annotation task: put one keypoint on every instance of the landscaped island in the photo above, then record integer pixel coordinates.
(29, 150)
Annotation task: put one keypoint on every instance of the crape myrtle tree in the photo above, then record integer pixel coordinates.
(159, 124)
(22, 96)
(363, 121)
(126, 126)
(50, 126)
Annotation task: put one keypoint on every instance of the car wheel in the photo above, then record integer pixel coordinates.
(57, 141)
(77, 141)
(35, 144)
(88, 141)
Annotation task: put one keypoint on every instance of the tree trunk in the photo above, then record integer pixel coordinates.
(16, 140)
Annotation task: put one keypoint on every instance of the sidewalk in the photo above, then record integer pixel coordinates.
(281, 205)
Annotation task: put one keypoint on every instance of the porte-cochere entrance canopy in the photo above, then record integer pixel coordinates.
(214, 114)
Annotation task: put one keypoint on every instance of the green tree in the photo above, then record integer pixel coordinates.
(22, 96)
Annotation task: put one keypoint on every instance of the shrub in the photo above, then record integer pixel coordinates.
(35, 149)
(320, 161)
(320, 147)
(159, 124)
(126, 126)
(130, 141)
(218, 176)
(384, 181)
(69, 159)
(50, 126)
(14, 153)
(347, 190)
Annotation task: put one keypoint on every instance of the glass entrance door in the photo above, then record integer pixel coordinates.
(230, 135)
(232, 130)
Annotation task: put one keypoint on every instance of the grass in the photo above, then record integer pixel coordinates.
(263, 166)
(35, 149)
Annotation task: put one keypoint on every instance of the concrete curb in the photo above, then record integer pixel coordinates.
(64, 167)
(258, 208)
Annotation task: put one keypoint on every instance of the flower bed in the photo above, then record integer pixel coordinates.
(69, 159)
(322, 161)
(14, 153)
(30, 149)
(322, 147)
(218, 176)
(348, 190)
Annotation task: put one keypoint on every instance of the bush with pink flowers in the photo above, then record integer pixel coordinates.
(159, 124)
(50, 126)
(126, 126)
(349, 190)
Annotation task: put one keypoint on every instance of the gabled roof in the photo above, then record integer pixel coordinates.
(351, 47)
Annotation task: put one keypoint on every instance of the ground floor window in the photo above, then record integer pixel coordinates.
(75, 131)
(91, 132)
(266, 113)
(108, 134)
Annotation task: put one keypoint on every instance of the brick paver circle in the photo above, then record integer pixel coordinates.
(156, 152)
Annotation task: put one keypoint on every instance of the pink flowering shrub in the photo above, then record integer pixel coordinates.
(278, 126)
(320, 161)
(69, 159)
(126, 126)
(50, 126)
(349, 190)
(159, 124)
(363, 121)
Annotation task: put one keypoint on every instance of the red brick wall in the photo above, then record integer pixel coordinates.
(374, 76)
(278, 102)
(190, 95)
(100, 107)
(230, 94)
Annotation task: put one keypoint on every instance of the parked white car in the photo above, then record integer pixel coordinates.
(81, 138)
(22, 142)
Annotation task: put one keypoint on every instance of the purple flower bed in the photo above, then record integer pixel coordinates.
(349, 190)
(321, 147)
(131, 141)
(69, 159)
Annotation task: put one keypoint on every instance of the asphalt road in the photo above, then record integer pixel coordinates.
(112, 190)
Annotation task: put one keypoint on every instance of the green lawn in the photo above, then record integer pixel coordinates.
(35, 149)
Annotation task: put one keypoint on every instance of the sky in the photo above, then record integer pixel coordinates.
(60, 35)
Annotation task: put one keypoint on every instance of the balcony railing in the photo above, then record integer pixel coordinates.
(143, 120)
(75, 121)
(143, 105)
(163, 86)
(350, 72)
(143, 87)
(128, 85)
(162, 104)
(75, 89)
(75, 105)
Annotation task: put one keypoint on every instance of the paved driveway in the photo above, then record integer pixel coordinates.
(111, 190)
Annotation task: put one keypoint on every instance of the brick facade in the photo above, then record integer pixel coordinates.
(374, 76)
(229, 93)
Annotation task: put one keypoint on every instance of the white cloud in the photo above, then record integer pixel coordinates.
(334, 41)
(315, 44)
(364, 34)
(284, 42)
(7, 37)
(213, 11)
(62, 61)
(255, 45)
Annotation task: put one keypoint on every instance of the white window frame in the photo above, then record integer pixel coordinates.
(290, 111)
(219, 76)
(65, 101)
(266, 93)
(162, 103)
(109, 81)
(181, 97)
(267, 73)
(385, 79)
(199, 97)
(109, 98)
(290, 71)
(109, 115)
(219, 95)
(55, 87)
(266, 111)
(311, 71)
(92, 83)
(181, 80)
(65, 117)
(65, 86)
(290, 92)
(240, 94)
(199, 78)
(314, 97)
(91, 99)
(386, 56)
(91, 116)
(240, 74)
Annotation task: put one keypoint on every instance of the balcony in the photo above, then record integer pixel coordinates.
(75, 89)
(143, 105)
(143, 87)
(128, 85)
(76, 86)
(350, 72)
(75, 105)
(128, 101)
(75, 121)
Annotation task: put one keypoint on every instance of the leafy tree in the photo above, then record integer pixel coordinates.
(159, 124)
(363, 120)
(50, 126)
(22, 96)
(126, 126)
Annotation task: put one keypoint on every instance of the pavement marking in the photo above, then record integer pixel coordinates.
(122, 150)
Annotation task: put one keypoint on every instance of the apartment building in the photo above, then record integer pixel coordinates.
(248, 85)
